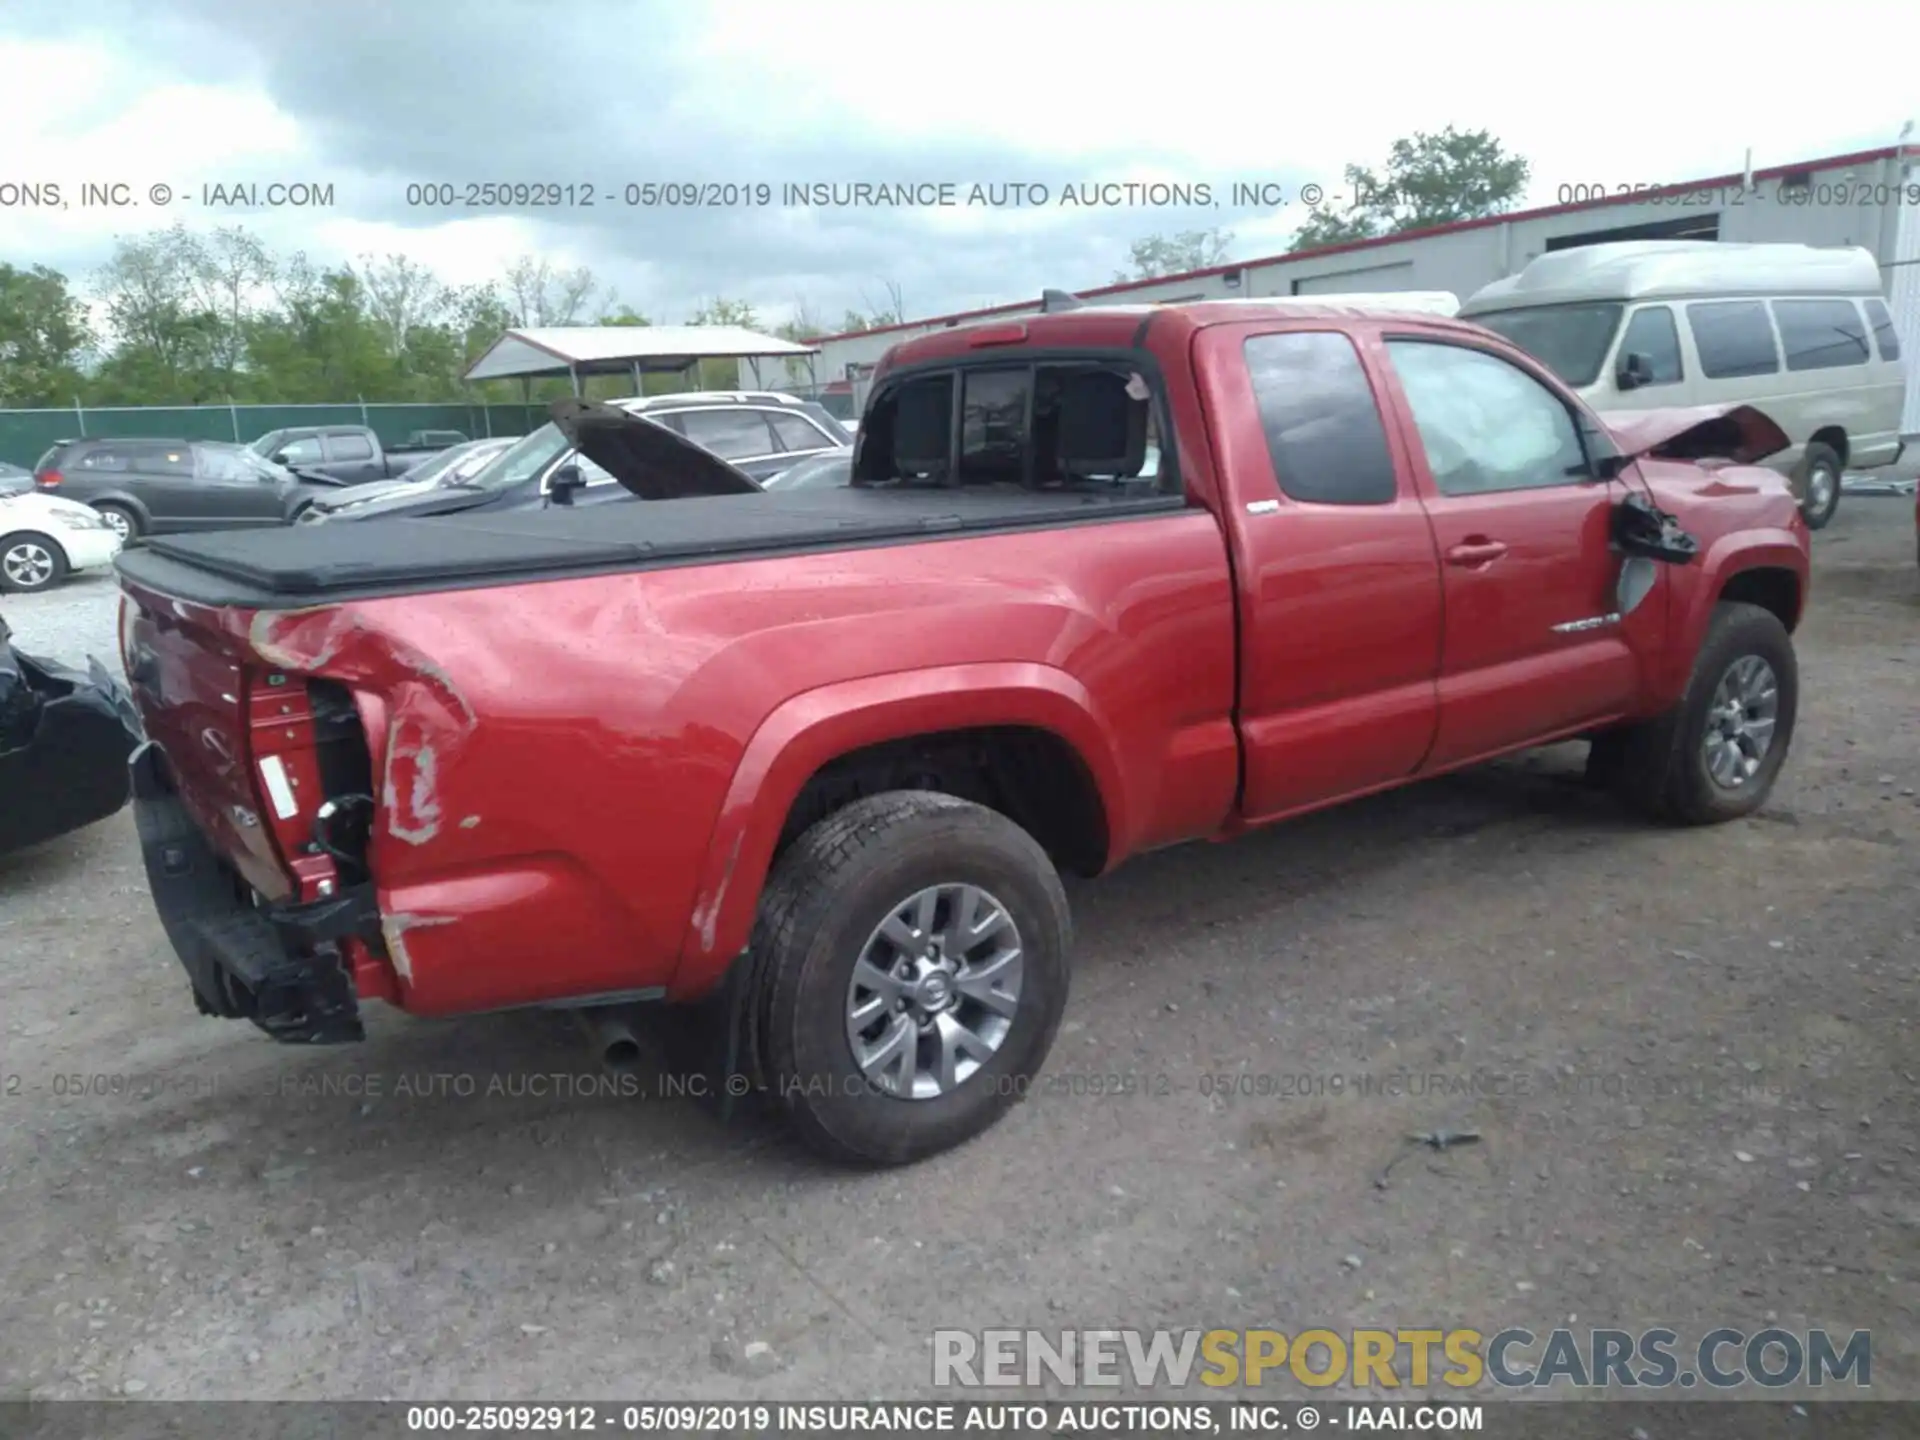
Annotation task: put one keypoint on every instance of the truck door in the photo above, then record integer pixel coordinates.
(351, 456)
(1533, 647)
(1339, 584)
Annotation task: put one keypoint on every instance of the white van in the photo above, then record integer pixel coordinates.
(1798, 331)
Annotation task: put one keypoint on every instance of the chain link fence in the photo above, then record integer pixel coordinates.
(26, 435)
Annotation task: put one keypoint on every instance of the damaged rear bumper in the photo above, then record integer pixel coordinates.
(280, 966)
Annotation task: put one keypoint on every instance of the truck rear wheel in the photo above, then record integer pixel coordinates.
(911, 963)
(1716, 754)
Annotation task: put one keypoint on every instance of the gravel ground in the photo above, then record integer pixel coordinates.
(1691, 1058)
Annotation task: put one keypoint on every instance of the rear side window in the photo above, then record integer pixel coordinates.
(1734, 338)
(1883, 331)
(730, 434)
(224, 466)
(303, 451)
(798, 434)
(104, 458)
(1651, 333)
(1821, 334)
(350, 447)
(1322, 423)
(163, 459)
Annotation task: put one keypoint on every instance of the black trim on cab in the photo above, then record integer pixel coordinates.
(279, 966)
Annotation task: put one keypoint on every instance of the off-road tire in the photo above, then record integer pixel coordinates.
(1819, 456)
(56, 556)
(828, 893)
(1661, 770)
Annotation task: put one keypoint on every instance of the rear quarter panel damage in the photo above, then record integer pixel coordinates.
(573, 798)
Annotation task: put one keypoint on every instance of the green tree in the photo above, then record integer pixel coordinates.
(1157, 255)
(539, 294)
(723, 374)
(168, 342)
(801, 327)
(43, 336)
(1429, 179)
(890, 310)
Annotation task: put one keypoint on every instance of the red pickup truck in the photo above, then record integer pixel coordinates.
(1105, 580)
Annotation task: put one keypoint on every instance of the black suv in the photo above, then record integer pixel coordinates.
(155, 487)
(760, 432)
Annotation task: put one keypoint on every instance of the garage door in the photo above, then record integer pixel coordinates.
(1359, 282)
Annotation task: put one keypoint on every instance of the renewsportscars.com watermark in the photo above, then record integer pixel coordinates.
(1656, 1359)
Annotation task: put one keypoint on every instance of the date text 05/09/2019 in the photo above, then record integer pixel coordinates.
(858, 195)
(1734, 193)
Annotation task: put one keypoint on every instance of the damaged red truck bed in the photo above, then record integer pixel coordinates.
(1106, 581)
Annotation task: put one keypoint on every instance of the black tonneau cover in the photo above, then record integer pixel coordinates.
(323, 564)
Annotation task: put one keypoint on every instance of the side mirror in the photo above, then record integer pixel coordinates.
(282, 457)
(563, 482)
(1635, 370)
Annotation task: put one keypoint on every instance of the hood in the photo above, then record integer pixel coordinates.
(1736, 433)
(409, 501)
(358, 494)
(32, 502)
(647, 458)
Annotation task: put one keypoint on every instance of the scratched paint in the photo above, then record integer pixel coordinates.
(707, 917)
(396, 928)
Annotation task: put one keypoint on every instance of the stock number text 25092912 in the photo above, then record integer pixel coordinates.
(555, 194)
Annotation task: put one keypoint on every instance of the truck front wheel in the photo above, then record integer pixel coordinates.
(911, 971)
(1716, 754)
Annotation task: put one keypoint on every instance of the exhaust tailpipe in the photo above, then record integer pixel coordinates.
(611, 1039)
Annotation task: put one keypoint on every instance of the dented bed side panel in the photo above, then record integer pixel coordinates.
(552, 759)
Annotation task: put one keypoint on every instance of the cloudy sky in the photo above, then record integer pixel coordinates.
(374, 95)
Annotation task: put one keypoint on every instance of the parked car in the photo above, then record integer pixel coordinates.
(824, 471)
(451, 466)
(161, 487)
(14, 479)
(429, 439)
(43, 540)
(759, 432)
(822, 754)
(64, 741)
(351, 454)
(1799, 331)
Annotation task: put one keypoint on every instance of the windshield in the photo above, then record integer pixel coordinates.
(1570, 340)
(434, 466)
(265, 444)
(525, 459)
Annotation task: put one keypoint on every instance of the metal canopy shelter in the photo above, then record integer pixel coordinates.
(580, 350)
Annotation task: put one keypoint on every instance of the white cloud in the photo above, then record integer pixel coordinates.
(1201, 92)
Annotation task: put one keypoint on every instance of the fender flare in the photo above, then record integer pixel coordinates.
(820, 725)
(1731, 555)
